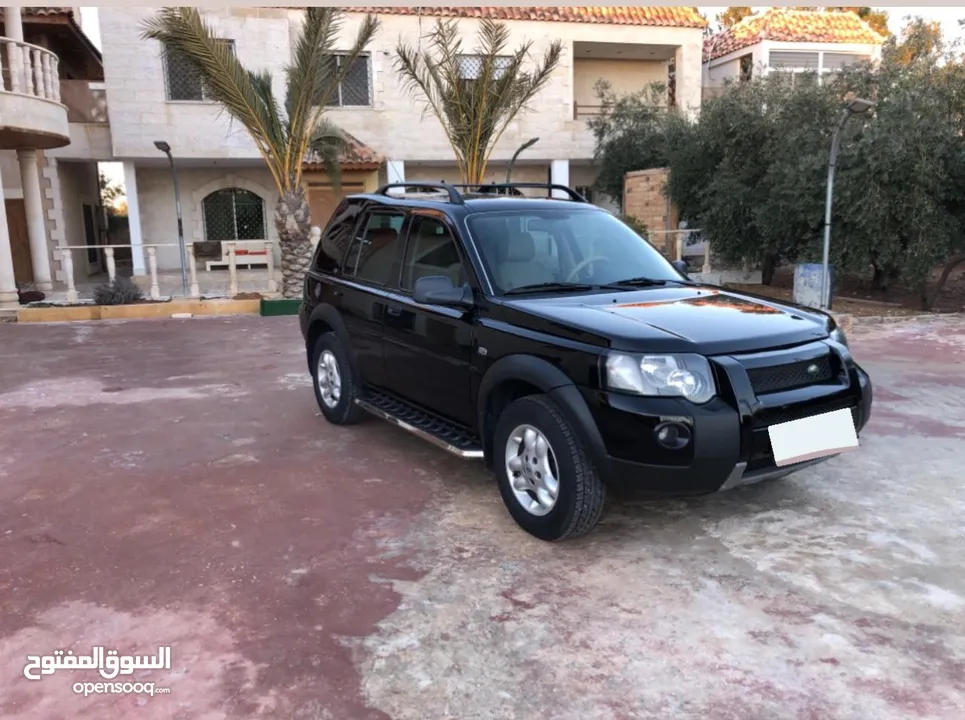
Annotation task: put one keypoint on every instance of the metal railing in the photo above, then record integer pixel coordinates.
(586, 110)
(150, 249)
(29, 70)
(679, 244)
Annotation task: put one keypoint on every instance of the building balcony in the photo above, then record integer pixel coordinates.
(31, 112)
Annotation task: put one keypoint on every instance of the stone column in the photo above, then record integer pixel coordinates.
(36, 227)
(560, 175)
(395, 173)
(688, 72)
(8, 284)
(134, 218)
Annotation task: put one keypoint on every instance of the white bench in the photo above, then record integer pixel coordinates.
(248, 253)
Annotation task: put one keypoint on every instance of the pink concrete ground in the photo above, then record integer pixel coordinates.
(171, 483)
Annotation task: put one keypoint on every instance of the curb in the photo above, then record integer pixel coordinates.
(145, 311)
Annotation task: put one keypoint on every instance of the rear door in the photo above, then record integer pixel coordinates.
(361, 290)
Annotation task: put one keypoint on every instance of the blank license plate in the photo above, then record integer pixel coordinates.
(813, 437)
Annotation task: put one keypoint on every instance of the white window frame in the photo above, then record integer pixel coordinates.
(167, 77)
(820, 70)
(340, 57)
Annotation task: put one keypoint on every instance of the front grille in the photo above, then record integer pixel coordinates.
(778, 378)
(766, 417)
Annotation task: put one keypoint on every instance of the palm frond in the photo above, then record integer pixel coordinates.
(474, 113)
(181, 30)
(329, 144)
(320, 82)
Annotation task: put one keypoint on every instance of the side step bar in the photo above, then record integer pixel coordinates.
(440, 433)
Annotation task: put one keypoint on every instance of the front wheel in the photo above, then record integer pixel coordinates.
(545, 476)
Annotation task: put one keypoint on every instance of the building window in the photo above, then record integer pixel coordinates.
(354, 90)
(233, 214)
(471, 66)
(817, 64)
(182, 80)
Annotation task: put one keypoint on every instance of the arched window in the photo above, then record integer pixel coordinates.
(233, 214)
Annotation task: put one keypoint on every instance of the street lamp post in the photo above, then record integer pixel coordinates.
(857, 106)
(528, 143)
(166, 149)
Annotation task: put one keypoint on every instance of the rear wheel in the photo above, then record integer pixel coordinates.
(334, 381)
(545, 476)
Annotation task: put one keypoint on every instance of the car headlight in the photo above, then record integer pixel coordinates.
(686, 376)
(839, 337)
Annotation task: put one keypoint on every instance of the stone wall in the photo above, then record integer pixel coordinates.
(643, 198)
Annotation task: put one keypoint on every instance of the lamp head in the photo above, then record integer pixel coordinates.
(162, 146)
(530, 143)
(859, 106)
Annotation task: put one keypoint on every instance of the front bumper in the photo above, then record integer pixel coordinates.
(729, 443)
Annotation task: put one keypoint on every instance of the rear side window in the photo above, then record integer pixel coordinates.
(372, 255)
(336, 237)
(431, 251)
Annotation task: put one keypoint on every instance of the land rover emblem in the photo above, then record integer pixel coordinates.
(812, 369)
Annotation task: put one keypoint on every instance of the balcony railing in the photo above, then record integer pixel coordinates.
(585, 110)
(29, 70)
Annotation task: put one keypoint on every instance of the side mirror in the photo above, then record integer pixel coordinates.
(681, 266)
(439, 290)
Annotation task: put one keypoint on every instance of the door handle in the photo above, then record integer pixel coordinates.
(395, 310)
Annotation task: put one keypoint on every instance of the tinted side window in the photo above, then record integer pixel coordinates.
(336, 237)
(373, 251)
(431, 251)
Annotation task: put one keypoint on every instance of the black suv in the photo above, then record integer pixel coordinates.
(546, 337)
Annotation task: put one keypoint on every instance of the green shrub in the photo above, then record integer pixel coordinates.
(636, 224)
(123, 291)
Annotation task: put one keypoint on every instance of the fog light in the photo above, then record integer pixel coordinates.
(672, 435)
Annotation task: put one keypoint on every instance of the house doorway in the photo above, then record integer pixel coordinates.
(322, 200)
(19, 241)
(95, 260)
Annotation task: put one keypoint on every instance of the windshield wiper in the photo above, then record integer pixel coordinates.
(548, 287)
(639, 282)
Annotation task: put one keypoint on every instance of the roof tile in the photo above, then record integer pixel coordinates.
(787, 25)
(610, 15)
(358, 153)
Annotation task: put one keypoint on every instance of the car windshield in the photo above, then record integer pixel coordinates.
(554, 246)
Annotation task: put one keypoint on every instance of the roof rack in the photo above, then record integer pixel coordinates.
(549, 187)
(456, 197)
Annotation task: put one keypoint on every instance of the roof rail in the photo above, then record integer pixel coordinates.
(549, 187)
(455, 197)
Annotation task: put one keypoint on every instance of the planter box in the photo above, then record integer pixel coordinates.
(281, 306)
(137, 311)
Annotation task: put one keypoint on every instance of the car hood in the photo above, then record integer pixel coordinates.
(701, 319)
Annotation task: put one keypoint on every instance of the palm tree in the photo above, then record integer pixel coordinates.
(474, 96)
(283, 136)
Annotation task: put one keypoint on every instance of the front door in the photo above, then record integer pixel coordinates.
(428, 349)
(19, 241)
(368, 271)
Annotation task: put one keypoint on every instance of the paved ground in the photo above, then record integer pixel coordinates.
(170, 483)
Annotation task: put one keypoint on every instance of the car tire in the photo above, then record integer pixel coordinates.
(335, 395)
(580, 493)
